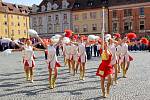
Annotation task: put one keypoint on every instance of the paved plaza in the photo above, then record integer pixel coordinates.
(14, 87)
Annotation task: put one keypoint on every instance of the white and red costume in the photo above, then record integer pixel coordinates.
(124, 53)
(28, 59)
(118, 53)
(67, 49)
(82, 53)
(74, 52)
(52, 58)
(112, 49)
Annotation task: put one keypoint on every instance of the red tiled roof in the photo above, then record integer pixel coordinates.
(13, 8)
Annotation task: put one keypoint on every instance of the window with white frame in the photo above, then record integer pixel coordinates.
(84, 16)
(85, 28)
(5, 31)
(34, 21)
(76, 17)
(50, 28)
(142, 25)
(57, 18)
(93, 15)
(76, 28)
(57, 28)
(141, 11)
(115, 27)
(49, 18)
(127, 26)
(94, 27)
(40, 20)
(18, 31)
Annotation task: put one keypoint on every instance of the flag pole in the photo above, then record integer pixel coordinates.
(103, 27)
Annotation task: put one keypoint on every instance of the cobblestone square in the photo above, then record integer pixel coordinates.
(14, 87)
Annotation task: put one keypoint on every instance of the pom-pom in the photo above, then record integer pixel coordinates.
(68, 33)
(131, 35)
(58, 36)
(66, 40)
(75, 37)
(117, 35)
(32, 33)
(54, 39)
(91, 37)
(144, 40)
(7, 51)
(97, 38)
(107, 37)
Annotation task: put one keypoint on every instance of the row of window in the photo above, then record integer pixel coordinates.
(12, 16)
(128, 12)
(12, 24)
(90, 3)
(128, 26)
(49, 19)
(13, 32)
(85, 28)
(92, 15)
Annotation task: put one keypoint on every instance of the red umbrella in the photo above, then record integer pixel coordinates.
(144, 40)
(131, 35)
(68, 33)
(117, 35)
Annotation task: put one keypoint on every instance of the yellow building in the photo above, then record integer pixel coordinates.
(14, 20)
(87, 17)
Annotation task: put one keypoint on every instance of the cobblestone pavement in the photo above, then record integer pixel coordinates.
(14, 87)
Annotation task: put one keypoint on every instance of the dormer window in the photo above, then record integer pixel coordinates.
(43, 8)
(90, 3)
(49, 6)
(35, 8)
(55, 6)
(77, 5)
(65, 4)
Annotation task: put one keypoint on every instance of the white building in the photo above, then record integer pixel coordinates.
(51, 17)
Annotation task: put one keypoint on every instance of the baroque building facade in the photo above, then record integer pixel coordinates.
(14, 20)
(51, 17)
(129, 16)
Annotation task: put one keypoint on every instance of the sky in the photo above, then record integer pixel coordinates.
(24, 2)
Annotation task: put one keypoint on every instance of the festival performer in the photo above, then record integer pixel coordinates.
(67, 49)
(28, 59)
(118, 54)
(74, 54)
(112, 48)
(52, 61)
(82, 57)
(105, 70)
(63, 50)
(125, 57)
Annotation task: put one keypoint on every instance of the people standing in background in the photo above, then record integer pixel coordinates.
(95, 50)
(57, 51)
(88, 51)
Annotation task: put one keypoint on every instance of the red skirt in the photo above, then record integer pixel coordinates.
(104, 69)
(79, 59)
(27, 65)
(130, 58)
(56, 65)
